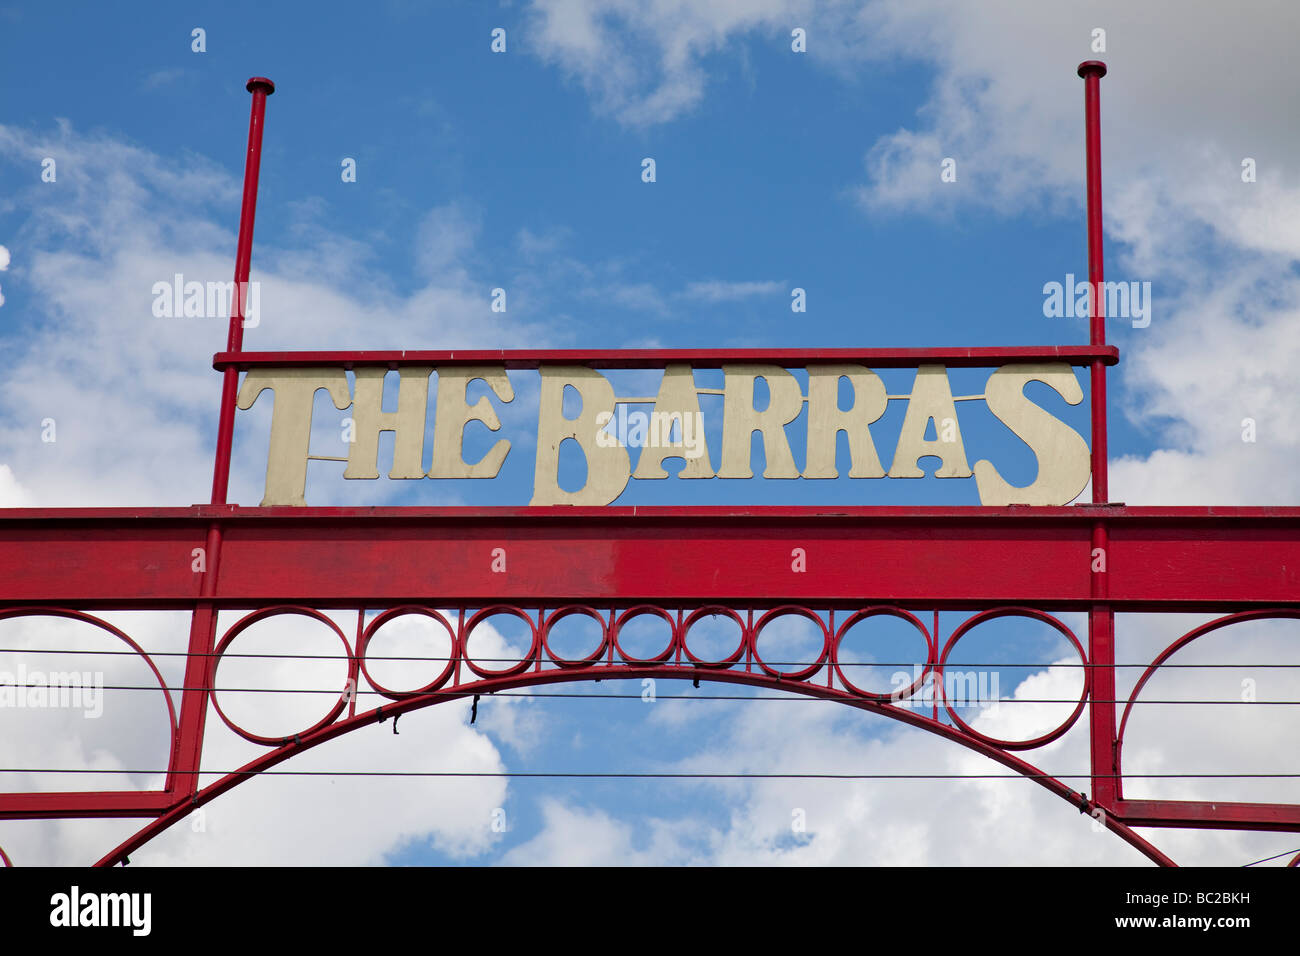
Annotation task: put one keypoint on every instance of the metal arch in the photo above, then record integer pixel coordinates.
(1264, 614)
(664, 671)
(1169, 559)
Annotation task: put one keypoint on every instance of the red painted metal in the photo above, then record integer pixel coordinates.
(580, 610)
(787, 610)
(1101, 618)
(64, 804)
(363, 644)
(261, 88)
(638, 611)
(16, 612)
(657, 358)
(632, 562)
(1160, 559)
(607, 671)
(1270, 614)
(1210, 815)
(250, 619)
(1031, 743)
(910, 690)
(1092, 71)
(203, 621)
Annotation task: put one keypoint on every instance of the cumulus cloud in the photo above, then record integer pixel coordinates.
(134, 393)
(643, 63)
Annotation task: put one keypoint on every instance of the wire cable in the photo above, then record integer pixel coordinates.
(671, 775)
(515, 660)
(465, 690)
(1274, 857)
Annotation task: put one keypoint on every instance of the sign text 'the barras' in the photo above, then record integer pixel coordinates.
(1063, 460)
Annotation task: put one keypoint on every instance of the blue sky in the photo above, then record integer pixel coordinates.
(522, 170)
(755, 186)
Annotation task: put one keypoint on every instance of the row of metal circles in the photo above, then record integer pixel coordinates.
(677, 646)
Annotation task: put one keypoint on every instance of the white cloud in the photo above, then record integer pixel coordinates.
(718, 290)
(133, 396)
(445, 238)
(161, 78)
(133, 399)
(643, 62)
(572, 836)
(12, 494)
(1222, 347)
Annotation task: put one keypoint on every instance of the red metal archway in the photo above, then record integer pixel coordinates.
(622, 562)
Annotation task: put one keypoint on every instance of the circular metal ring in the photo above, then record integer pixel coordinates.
(513, 669)
(791, 610)
(876, 611)
(1037, 615)
(569, 611)
(334, 711)
(1239, 617)
(389, 615)
(638, 611)
(16, 612)
(712, 611)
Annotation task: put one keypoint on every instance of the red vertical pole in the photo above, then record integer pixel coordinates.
(934, 705)
(187, 749)
(1092, 71)
(261, 88)
(1101, 619)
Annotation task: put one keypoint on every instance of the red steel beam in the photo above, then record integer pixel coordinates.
(699, 358)
(1209, 814)
(1159, 558)
(101, 803)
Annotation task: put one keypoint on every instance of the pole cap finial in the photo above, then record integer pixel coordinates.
(260, 83)
(1092, 67)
